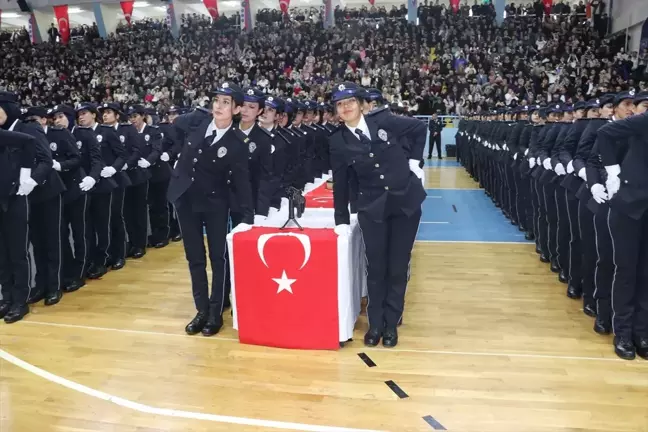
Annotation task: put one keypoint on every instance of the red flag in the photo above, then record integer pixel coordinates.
(284, 5)
(286, 285)
(588, 10)
(63, 20)
(127, 9)
(212, 7)
(372, 2)
(455, 5)
(547, 6)
(320, 197)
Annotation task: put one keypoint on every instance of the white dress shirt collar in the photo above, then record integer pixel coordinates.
(13, 125)
(362, 125)
(219, 132)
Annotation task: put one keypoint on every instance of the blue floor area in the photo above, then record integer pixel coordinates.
(446, 162)
(465, 216)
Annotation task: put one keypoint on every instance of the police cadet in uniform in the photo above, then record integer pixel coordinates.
(25, 164)
(213, 161)
(46, 220)
(149, 142)
(435, 125)
(624, 155)
(112, 114)
(171, 142)
(76, 214)
(269, 120)
(390, 194)
(113, 155)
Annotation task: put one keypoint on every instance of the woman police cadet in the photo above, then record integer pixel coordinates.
(378, 156)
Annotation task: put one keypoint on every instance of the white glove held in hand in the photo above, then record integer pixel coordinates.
(56, 165)
(87, 183)
(343, 230)
(582, 174)
(598, 193)
(570, 167)
(546, 164)
(108, 171)
(560, 169)
(143, 163)
(27, 184)
(164, 157)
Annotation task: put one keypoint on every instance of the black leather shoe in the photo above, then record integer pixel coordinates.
(96, 272)
(119, 264)
(562, 278)
(522, 228)
(52, 299)
(372, 337)
(574, 292)
(543, 258)
(624, 348)
(642, 348)
(161, 244)
(538, 251)
(213, 325)
(555, 268)
(16, 313)
(73, 285)
(4, 309)
(529, 236)
(602, 327)
(176, 238)
(589, 310)
(196, 325)
(35, 296)
(390, 338)
(227, 303)
(136, 253)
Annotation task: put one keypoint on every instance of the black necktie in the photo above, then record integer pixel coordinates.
(213, 136)
(364, 139)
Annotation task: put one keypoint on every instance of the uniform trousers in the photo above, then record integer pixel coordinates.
(136, 214)
(551, 220)
(117, 249)
(194, 225)
(388, 246)
(541, 221)
(575, 250)
(235, 219)
(562, 229)
(604, 265)
(534, 215)
(159, 211)
(76, 215)
(630, 282)
(101, 215)
(174, 225)
(45, 233)
(435, 141)
(15, 268)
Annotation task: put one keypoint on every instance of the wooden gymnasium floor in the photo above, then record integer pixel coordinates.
(489, 343)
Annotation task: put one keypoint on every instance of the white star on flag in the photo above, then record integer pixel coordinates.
(284, 283)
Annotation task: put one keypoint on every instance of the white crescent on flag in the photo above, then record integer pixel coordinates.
(303, 239)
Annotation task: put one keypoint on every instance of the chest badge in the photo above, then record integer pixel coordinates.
(382, 134)
(222, 152)
(79, 145)
(272, 148)
(147, 137)
(122, 138)
(252, 147)
(53, 146)
(99, 138)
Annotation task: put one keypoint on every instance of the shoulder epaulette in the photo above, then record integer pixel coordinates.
(282, 136)
(106, 126)
(56, 128)
(378, 110)
(267, 132)
(240, 135)
(291, 133)
(154, 126)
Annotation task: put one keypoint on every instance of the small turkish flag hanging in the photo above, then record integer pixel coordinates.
(127, 9)
(284, 5)
(63, 21)
(455, 5)
(547, 6)
(286, 286)
(212, 7)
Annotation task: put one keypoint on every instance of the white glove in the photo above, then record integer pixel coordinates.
(56, 165)
(582, 174)
(598, 193)
(164, 157)
(343, 230)
(87, 183)
(526, 152)
(532, 163)
(108, 171)
(538, 161)
(416, 169)
(560, 169)
(241, 228)
(143, 163)
(570, 167)
(515, 156)
(260, 219)
(125, 167)
(613, 184)
(175, 164)
(547, 164)
(27, 184)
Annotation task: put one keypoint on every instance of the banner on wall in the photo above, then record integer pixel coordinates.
(63, 20)
(643, 42)
(246, 17)
(127, 9)
(284, 5)
(212, 7)
(454, 4)
(547, 6)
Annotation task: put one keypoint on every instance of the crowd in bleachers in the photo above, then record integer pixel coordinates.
(449, 63)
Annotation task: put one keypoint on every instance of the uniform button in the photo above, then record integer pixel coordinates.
(382, 176)
(189, 143)
(625, 181)
(195, 160)
(192, 179)
(228, 182)
(199, 151)
(230, 173)
(377, 165)
(386, 187)
(371, 155)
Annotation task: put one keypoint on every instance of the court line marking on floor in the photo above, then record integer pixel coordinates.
(527, 243)
(165, 411)
(435, 222)
(433, 196)
(390, 350)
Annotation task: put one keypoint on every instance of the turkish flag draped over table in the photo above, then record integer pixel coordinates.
(127, 9)
(63, 20)
(288, 287)
(547, 6)
(455, 5)
(212, 7)
(320, 197)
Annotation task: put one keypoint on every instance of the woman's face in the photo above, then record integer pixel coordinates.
(349, 110)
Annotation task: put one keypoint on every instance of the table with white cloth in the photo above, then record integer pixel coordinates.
(296, 288)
